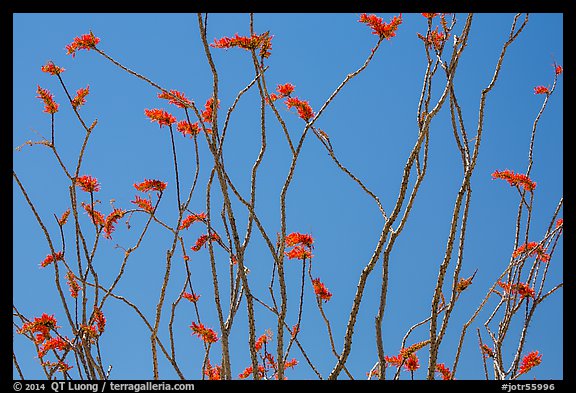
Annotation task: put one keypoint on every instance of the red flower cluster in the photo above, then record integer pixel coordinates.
(72, 282)
(384, 30)
(89, 332)
(191, 297)
(208, 113)
(302, 244)
(52, 68)
(99, 319)
(49, 105)
(177, 98)
(206, 334)
(58, 256)
(186, 128)
(411, 363)
(55, 343)
(444, 371)
(541, 90)
(533, 249)
(64, 218)
(283, 90)
(256, 41)
(515, 179)
(80, 98)
(248, 371)
(433, 38)
(530, 361)
(86, 41)
(111, 220)
(192, 218)
(304, 110)
(265, 338)
(429, 15)
(151, 185)
(558, 69)
(213, 373)
(522, 289)
(41, 326)
(161, 116)
(201, 241)
(144, 204)
(59, 366)
(298, 238)
(87, 183)
(320, 290)
(96, 217)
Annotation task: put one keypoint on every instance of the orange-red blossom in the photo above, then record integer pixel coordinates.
(206, 334)
(515, 179)
(384, 30)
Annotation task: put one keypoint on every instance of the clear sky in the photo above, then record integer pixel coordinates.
(372, 127)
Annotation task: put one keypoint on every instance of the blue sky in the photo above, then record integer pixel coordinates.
(372, 128)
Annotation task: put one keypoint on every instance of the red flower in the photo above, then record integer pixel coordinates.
(188, 129)
(379, 28)
(64, 218)
(192, 218)
(515, 179)
(151, 185)
(285, 90)
(59, 366)
(96, 217)
(530, 361)
(412, 363)
(86, 41)
(87, 183)
(394, 360)
(304, 110)
(42, 326)
(52, 69)
(291, 363)
(207, 114)
(99, 319)
(177, 98)
(58, 256)
(541, 90)
(49, 105)
(429, 15)
(444, 371)
(203, 239)
(262, 42)
(298, 238)
(89, 332)
(299, 252)
(72, 284)
(434, 38)
(522, 289)
(80, 98)
(533, 249)
(162, 117)
(56, 343)
(213, 373)
(248, 371)
(144, 204)
(111, 221)
(265, 338)
(206, 334)
(558, 69)
(191, 297)
(320, 290)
